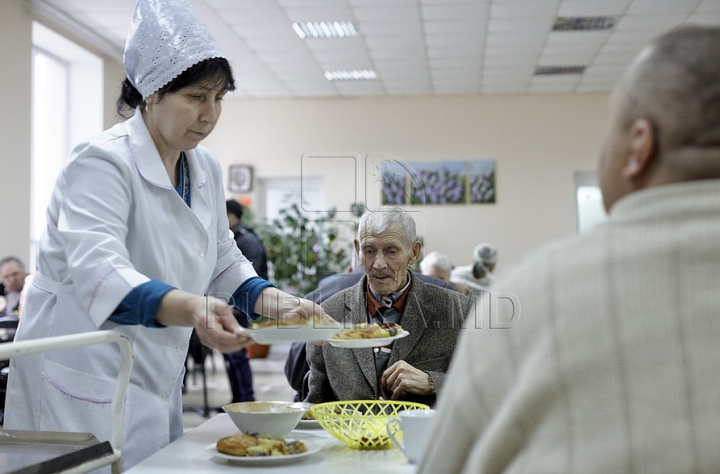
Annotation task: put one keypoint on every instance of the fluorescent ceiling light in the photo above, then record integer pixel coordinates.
(580, 23)
(322, 29)
(558, 70)
(354, 75)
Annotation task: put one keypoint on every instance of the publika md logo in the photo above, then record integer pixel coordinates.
(494, 310)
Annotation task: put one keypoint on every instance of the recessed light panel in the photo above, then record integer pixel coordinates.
(323, 29)
(584, 23)
(558, 70)
(354, 75)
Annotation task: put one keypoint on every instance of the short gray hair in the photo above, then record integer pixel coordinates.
(486, 254)
(15, 260)
(384, 217)
(675, 84)
(436, 260)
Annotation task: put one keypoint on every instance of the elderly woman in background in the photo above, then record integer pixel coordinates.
(479, 276)
(137, 233)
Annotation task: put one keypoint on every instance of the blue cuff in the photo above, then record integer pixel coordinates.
(245, 297)
(141, 304)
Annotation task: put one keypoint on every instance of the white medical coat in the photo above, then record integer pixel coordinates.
(114, 222)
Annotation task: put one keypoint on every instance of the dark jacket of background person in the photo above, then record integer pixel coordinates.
(297, 370)
(432, 315)
(250, 245)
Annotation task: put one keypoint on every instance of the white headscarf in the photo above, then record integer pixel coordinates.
(166, 37)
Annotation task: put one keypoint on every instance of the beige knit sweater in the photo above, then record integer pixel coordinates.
(614, 363)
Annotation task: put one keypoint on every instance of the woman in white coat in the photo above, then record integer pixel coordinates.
(137, 233)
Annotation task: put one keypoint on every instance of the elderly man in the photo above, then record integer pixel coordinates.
(12, 272)
(477, 277)
(412, 368)
(436, 264)
(612, 366)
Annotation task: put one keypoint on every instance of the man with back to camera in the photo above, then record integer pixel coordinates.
(412, 368)
(612, 365)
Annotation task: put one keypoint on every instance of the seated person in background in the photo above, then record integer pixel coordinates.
(612, 365)
(297, 370)
(413, 368)
(12, 272)
(436, 264)
(478, 276)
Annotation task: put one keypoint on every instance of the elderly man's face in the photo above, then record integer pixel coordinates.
(12, 277)
(386, 257)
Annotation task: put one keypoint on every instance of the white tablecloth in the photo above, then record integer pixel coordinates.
(188, 454)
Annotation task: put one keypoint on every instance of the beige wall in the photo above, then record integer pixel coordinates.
(15, 120)
(15, 116)
(537, 141)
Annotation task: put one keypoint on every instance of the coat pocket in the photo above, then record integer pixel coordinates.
(75, 401)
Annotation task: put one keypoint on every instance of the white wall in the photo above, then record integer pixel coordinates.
(538, 142)
(15, 126)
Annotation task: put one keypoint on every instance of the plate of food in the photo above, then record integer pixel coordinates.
(271, 331)
(368, 335)
(260, 449)
(307, 422)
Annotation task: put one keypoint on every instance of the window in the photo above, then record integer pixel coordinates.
(588, 197)
(67, 109)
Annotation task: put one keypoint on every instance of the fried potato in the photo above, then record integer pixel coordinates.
(368, 331)
(258, 445)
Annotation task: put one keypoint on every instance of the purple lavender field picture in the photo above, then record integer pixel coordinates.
(394, 179)
(438, 182)
(482, 181)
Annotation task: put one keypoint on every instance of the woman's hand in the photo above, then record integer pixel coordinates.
(211, 318)
(290, 309)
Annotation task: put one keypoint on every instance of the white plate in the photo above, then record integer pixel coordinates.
(277, 334)
(357, 343)
(255, 460)
(307, 425)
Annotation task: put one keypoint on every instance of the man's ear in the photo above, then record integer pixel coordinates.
(415, 249)
(642, 149)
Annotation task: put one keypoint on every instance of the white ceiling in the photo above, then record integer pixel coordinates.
(417, 47)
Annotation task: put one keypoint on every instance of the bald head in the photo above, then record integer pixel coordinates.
(666, 115)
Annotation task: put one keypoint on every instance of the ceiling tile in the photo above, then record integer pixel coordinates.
(568, 48)
(365, 3)
(369, 29)
(302, 15)
(452, 27)
(657, 22)
(309, 3)
(536, 37)
(593, 8)
(504, 89)
(662, 6)
(387, 14)
(524, 9)
(465, 41)
(709, 6)
(352, 88)
(253, 17)
(578, 37)
(574, 59)
(453, 11)
(457, 89)
(525, 25)
(705, 18)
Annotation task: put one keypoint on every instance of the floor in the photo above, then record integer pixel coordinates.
(269, 384)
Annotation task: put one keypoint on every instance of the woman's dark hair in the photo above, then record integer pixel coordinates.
(213, 72)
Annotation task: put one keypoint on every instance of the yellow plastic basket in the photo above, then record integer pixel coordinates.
(361, 424)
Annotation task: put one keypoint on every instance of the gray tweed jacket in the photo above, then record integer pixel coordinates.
(433, 316)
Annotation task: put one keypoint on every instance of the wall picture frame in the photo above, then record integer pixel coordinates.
(240, 178)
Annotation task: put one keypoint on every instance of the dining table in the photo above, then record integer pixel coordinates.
(192, 453)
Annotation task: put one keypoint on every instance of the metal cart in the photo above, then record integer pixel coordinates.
(53, 452)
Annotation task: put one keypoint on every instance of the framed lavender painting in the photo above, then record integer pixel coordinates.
(442, 182)
(482, 181)
(394, 183)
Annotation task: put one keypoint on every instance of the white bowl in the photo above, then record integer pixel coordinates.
(273, 418)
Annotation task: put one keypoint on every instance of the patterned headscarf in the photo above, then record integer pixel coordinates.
(166, 37)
